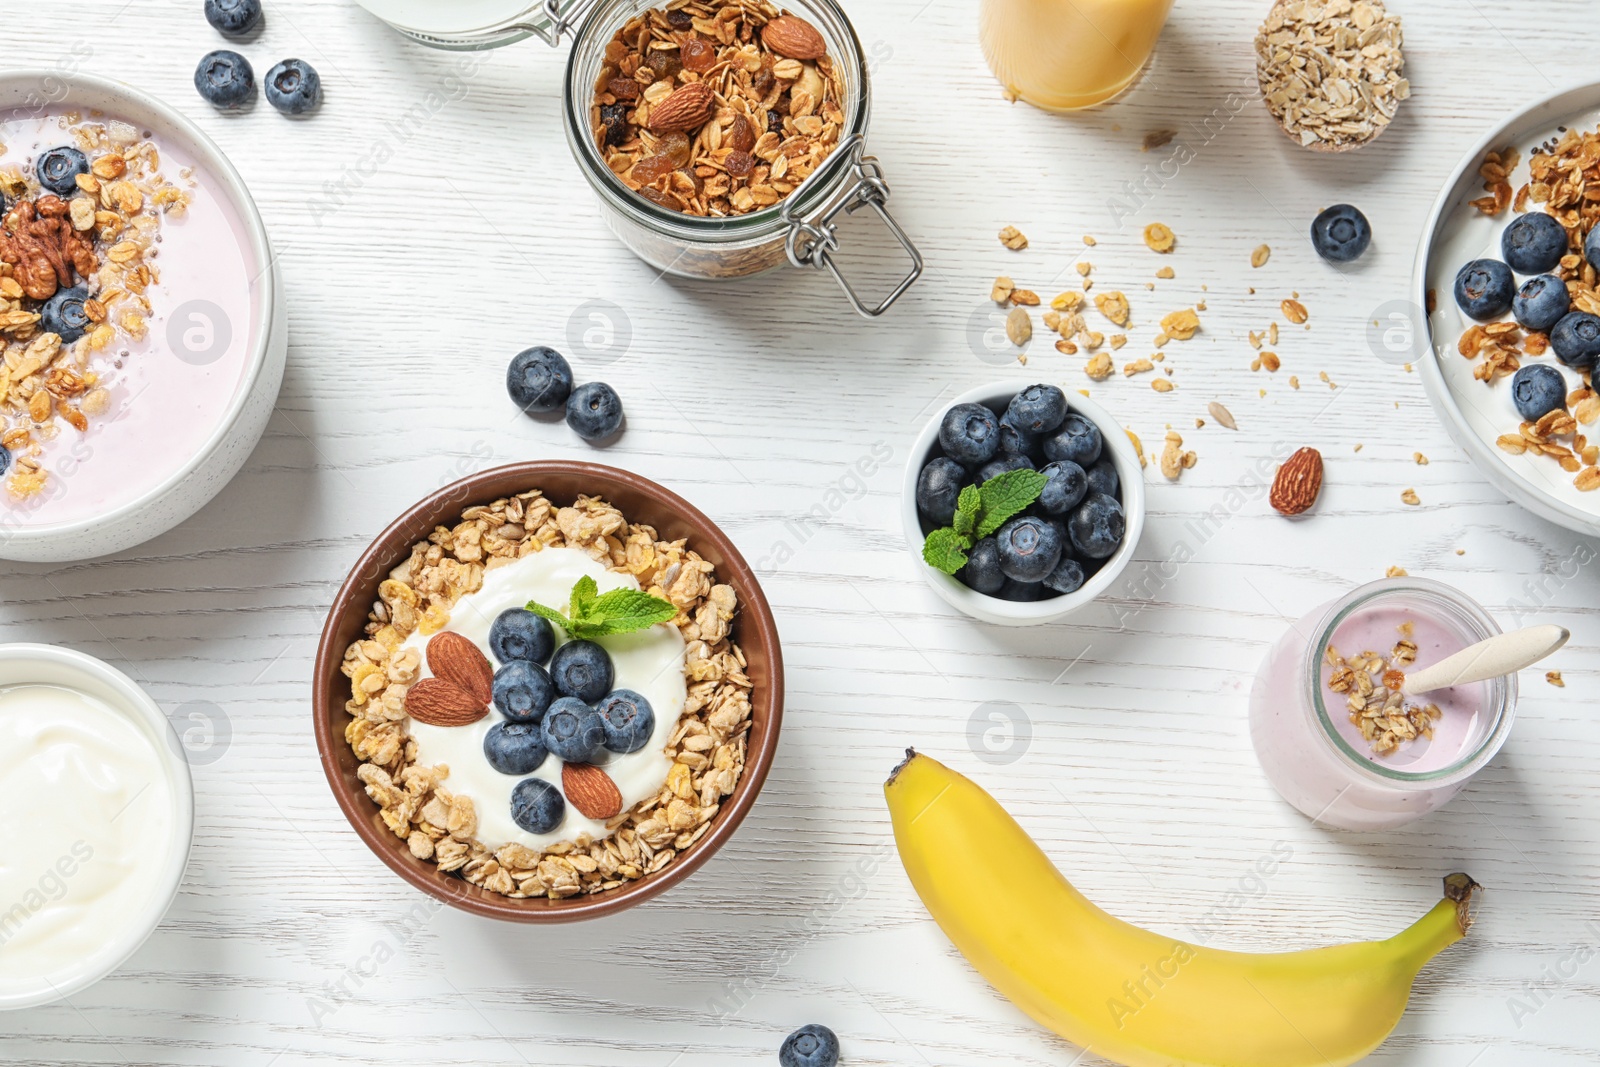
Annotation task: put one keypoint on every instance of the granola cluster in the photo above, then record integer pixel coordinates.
(716, 107)
(707, 748)
(1330, 70)
(101, 239)
(1371, 685)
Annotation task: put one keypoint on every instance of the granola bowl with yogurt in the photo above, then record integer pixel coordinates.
(548, 692)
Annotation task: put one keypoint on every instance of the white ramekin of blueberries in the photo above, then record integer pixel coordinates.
(1022, 505)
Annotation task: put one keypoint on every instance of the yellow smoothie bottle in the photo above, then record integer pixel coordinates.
(1066, 54)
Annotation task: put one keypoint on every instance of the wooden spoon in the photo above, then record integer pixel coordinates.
(1501, 654)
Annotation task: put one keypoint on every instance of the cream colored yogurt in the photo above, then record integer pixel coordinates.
(88, 805)
(650, 663)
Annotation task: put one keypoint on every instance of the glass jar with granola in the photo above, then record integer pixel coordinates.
(723, 138)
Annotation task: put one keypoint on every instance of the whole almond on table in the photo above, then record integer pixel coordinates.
(458, 661)
(591, 790)
(794, 37)
(1298, 482)
(440, 703)
(688, 108)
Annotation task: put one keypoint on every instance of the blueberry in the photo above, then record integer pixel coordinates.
(1022, 592)
(537, 806)
(1078, 440)
(5, 459)
(1103, 478)
(1340, 233)
(1016, 439)
(1541, 302)
(1537, 390)
(970, 434)
(813, 1045)
(1065, 489)
(1097, 527)
(629, 720)
(63, 314)
(594, 411)
(982, 572)
(1038, 408)
(58, 168)
(233, 17)
(515, 747)
(1068, 577)
(1000, 465)
(1484, 289)
(1576, 340)
(225, 79)
(539, 380)
(523, 691)
(519, 634)
(1591, 246)
(1534, 243)
(938, 486)
(1030, 548)
(581, 669)
(293, 87)
(573, 730)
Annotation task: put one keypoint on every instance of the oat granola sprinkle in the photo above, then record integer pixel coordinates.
(1330, 70)
(1371, 685)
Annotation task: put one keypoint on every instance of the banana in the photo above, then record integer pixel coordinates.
(1132, 996)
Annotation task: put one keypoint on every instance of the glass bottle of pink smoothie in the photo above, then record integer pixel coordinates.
(1309, 739)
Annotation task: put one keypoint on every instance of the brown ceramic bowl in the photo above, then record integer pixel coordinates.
(641, 500)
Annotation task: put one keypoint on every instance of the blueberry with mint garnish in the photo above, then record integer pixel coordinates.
(938, 486)
(64, 315)
(1576, 340)
(1103, 478)
(537, 806)
(539, 380)
(1537, 390)
(225, 79)
(1015, 438)
(581, 669)
(1065, 489)
(1534, 243)
(58, 168)
(1340, 233)
(1000, 465)
(1541, 302)
(1030, 548)
(573, 730)
(982, 573)
(1077, 440)
(629, 721)
(970, 434)
(594, 411)
(1097, 526)
(813, 1045)
(293, 87)
(1038, 408)
(233, 17)
(1068, 577)
(519, 634)
(515, 747)
(523, 691)
(1484, 289)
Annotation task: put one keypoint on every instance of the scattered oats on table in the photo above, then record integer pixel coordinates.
(1555, 679)
(1013, 239)
(1410, 497)
(1158, 237)
(1259, 257)
(1396, 572)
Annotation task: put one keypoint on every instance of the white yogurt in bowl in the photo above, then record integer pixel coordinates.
(650, 662)
(97, 796)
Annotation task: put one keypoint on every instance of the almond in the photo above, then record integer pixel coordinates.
(794, 37)
(458, 661)
(688, 108)
(441, 703)
(1299, 481)
(591, 790)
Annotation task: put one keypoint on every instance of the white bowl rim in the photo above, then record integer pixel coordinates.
(989, 608)
(138, 704)
(1489, 461)
(238, 193)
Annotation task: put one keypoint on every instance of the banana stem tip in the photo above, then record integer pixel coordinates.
(1464, 891)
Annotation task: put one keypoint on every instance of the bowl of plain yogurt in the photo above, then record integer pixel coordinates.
(100, 813)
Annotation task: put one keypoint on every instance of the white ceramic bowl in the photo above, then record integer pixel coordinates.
(997, 395)
(216, 462)
(1473, 413)
(26, 664)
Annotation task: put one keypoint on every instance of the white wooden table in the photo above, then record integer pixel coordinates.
(413, 280)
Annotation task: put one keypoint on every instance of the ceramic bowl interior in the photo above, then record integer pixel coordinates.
(641, 500)
(1005, 612)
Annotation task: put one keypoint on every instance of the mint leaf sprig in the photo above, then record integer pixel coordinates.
(621, 611)
(980, 511)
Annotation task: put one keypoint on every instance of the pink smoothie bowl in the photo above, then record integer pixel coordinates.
(199, 472)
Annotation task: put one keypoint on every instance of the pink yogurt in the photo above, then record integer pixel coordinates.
(1316, 757)
(172, 391)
